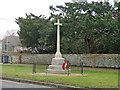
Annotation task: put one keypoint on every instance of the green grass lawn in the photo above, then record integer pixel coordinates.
(100, 79)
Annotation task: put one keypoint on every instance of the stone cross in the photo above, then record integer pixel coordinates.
(58, 54)
(56, 65)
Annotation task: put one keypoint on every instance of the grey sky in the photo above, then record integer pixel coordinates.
(11, 9)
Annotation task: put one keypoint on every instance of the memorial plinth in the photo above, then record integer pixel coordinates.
(56, 65)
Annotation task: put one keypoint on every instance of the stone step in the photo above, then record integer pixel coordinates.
(59, 67)
(56, 71)
(57, 61)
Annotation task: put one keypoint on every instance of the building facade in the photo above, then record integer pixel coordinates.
(0, 45)
(10, 42)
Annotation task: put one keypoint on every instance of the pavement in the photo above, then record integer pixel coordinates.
(59, 86)
(12, 84)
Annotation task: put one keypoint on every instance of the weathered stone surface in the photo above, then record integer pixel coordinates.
(57, 71)
(57, 61)
(56, 66)
(96, 60)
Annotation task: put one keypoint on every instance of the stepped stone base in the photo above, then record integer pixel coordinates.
(57, 61)
(55, 71)
(56, 67)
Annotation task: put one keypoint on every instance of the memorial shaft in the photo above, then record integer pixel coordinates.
(58, 54)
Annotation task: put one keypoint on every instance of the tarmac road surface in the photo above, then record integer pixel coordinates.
(21, 86)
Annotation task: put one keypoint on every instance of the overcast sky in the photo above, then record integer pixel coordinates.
(11, 9)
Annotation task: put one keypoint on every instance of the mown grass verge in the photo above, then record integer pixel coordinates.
(96, 79)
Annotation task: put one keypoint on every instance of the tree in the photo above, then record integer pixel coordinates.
(34, 32)
(95, 25)
(87, 28)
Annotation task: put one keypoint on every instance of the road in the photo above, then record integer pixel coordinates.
(11, 84)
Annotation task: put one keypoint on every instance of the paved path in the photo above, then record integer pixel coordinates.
(96, 69)
(72, 67)
(11, 84)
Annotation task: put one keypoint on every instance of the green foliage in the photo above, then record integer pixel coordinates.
(96, 79)
(35, 32)
(87, 28)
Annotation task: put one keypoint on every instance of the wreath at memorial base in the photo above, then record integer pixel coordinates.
(65, 65)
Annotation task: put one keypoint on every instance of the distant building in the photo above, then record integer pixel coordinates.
(10, 42)
(0, 45)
